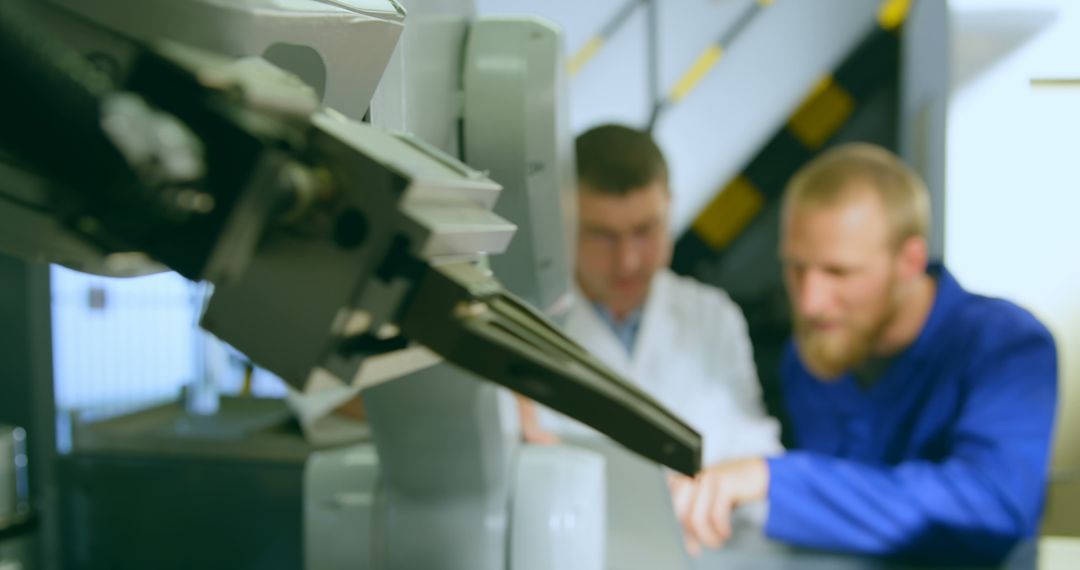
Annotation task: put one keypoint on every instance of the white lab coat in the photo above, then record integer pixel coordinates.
(693, 354)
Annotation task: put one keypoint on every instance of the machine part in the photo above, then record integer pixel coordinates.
(231, 484)
(259, 83)
(445, 483)
(33, 231)
(160, 148)
(430, 488)
(118, 206)
(340, 487)
(279, 287)
(516, 128)
(354, 518)
(559, 510)
(418, 206)
(14, 494)
(420, 90)
(461, 313)
(335, 31)
(326, 392)
(642, 530)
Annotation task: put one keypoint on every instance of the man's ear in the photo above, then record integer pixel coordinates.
(913, 258)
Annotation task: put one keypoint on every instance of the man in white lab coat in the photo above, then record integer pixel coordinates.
(683, 342)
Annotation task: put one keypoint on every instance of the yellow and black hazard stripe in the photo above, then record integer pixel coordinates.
(706, 61)
(591, 47)
(827, 108)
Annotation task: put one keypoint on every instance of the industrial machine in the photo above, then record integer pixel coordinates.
(345, 241)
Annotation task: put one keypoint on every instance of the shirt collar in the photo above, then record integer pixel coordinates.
(625, 330)
(947, 295)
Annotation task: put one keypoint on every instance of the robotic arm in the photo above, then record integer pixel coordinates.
(329, 241)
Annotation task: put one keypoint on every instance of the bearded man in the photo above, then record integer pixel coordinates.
(922, 414)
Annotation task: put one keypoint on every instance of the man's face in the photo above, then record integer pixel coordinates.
(622, 242)
(842, 278)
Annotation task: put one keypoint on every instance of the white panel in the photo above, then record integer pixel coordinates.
(1012, 183)
(559, 511)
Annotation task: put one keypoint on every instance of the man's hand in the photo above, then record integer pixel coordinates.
(704, 504)
(538, 436)
(531, 431)
(682, 491)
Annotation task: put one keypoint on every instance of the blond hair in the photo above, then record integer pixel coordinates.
(833, 178)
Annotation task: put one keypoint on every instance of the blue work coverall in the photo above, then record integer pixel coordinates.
(944, 459)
